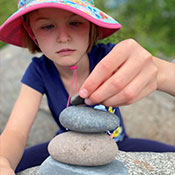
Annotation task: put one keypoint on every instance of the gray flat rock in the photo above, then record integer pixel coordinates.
(83, 148)
(86, 119)
(53, 167)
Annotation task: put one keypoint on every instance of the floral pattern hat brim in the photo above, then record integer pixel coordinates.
(10, 31)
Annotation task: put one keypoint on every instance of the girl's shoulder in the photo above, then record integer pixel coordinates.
(102, 48)
(34, 75)
(39, 59)
(99, 51)
(105, 45)
(41, 62)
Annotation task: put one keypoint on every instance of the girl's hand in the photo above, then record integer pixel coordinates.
(6, 171)
(123, 77)
(5, 168)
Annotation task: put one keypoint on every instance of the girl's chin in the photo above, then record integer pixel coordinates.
(65, 64)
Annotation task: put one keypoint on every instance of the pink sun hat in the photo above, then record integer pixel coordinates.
(10, 31)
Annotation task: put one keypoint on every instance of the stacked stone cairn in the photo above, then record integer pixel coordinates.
(85, 149)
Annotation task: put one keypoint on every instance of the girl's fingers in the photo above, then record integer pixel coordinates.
(147, 91)
(98, 85)
(105, 68)
(124, 75)
(141, 86)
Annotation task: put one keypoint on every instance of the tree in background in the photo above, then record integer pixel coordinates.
(150, 22)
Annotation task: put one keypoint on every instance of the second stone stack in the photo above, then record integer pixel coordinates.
(86, 144)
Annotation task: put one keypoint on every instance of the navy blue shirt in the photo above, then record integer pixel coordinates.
(43, 76)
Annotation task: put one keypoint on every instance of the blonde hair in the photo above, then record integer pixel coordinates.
(94, 36)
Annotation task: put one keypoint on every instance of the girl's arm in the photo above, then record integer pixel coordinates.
(14, 137)
(166, 76)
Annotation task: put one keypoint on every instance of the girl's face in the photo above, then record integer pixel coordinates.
(62, 36)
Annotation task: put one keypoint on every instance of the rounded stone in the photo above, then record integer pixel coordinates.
(53, 167)
(83, 148)
(86, 119)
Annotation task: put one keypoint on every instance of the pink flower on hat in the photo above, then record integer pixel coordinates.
(103, 16)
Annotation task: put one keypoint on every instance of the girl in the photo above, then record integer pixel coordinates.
(66, 31)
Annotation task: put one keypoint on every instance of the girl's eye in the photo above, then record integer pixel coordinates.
(47, 27)
(75, 23)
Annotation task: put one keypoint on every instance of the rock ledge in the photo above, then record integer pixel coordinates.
(138, 163)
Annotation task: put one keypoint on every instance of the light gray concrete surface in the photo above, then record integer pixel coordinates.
(151, 118)
(137, 164)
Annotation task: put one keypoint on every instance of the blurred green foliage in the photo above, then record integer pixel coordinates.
(6, 9)
(150, 22)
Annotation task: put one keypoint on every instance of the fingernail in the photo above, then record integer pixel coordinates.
(83, 93)
(88, 101)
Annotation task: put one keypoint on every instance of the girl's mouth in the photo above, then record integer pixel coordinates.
(65, 52)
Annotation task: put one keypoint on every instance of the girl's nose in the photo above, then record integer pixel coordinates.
(63, 35)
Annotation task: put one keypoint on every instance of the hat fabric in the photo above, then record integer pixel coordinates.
(10, 31)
